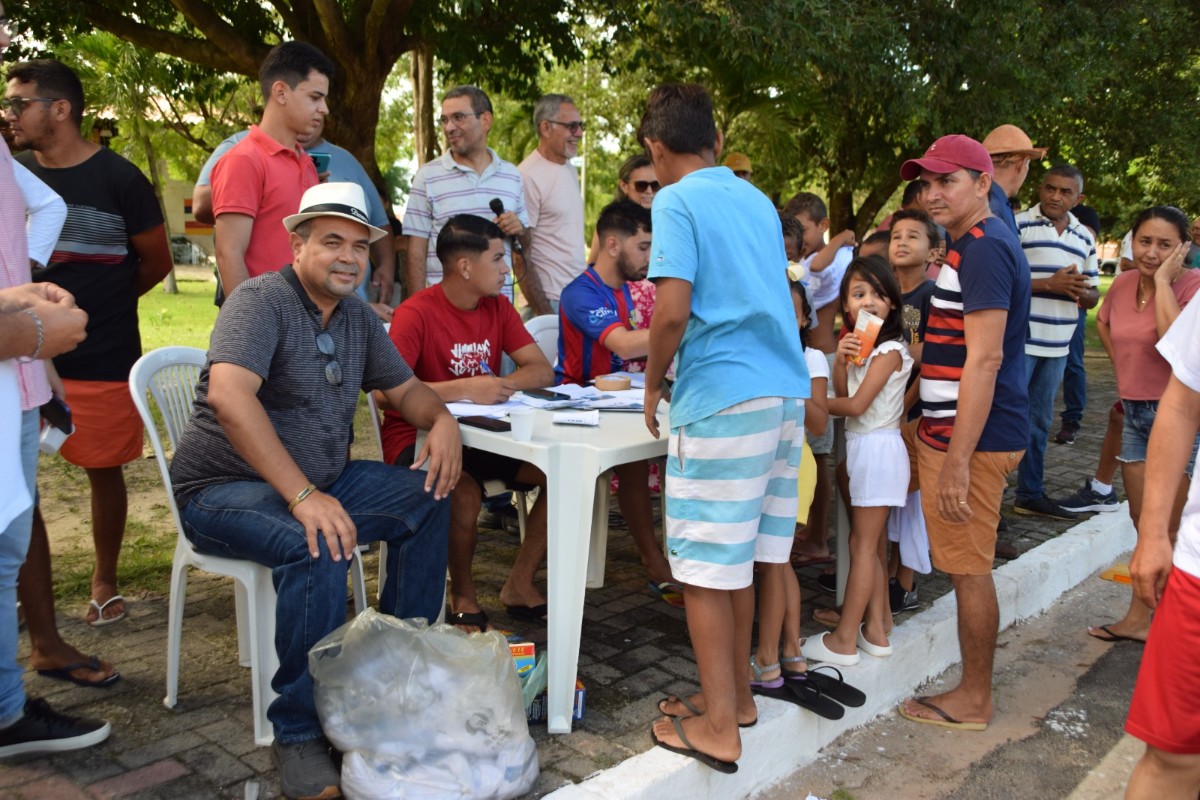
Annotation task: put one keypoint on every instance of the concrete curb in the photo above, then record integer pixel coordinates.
(786, 738)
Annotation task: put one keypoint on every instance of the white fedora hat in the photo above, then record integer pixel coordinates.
(334, 200)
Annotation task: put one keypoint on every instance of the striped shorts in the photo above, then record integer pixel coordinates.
(731, 491)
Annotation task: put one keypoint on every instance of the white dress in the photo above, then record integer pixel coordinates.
(876, 458)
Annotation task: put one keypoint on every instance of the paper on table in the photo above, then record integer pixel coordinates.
(574, 392)
(469, 409)
(624, 398)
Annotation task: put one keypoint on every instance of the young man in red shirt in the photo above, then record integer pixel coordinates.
(453, 335)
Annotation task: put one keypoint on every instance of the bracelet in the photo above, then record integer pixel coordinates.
(41, 334)
(305, 492)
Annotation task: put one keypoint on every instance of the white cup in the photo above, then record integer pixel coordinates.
(522, 424)
(51, 440)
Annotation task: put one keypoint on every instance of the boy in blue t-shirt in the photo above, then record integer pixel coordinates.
(723, 307)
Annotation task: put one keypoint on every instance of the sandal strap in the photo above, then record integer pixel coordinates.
(791, 659)
(758, 671)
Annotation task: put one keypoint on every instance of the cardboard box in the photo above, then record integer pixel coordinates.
(538, 712)
(522, 655)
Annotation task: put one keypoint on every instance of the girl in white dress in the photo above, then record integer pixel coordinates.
(871, 398)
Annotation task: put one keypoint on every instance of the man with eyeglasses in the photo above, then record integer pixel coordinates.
(555, 204)
(463, 180)
(262, 473)
(112, 250)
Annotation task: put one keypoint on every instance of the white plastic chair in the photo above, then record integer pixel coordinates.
(544, 330)
(170, 375)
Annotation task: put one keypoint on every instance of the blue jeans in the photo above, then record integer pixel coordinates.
(1045, 374)
(14, 543)
(249, 520)
(1075, 376)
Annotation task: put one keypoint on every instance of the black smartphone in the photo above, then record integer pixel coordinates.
(546, 394)
(57, 413)
(487, 423)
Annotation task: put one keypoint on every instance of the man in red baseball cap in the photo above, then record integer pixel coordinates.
(975, 419)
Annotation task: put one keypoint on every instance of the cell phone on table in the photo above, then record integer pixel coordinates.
(546, 394)
(321, 161)
(57, 413)
(487, 423)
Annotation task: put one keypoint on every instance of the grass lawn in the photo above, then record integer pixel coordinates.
(185, 318)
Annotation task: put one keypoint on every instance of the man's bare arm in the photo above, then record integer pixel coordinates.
(202, 209)
(531, 286)
(232, 239)
(415, 274)
(154, 257)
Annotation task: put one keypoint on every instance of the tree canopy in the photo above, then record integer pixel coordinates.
(829, 96)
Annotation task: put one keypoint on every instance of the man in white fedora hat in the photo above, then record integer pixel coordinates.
(261, 471)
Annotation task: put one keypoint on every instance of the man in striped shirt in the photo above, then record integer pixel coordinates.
(1062, 261)
(975, 422)
(463, 180)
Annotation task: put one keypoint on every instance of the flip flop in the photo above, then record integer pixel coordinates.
(801, 693)
(528, 613)
(800, 562)
(727, 767)
(683, 701)
(946, 720)
(100, 621)
(669, 592)
(1110, 637)
(93, 663)
(833, 686)
(470, 619)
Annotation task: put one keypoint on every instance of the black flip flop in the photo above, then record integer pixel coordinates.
(528, 613)
(471, 619)
(832, 686)
(801, 693)
(93, 663)
(1111, 637)
(727, 767)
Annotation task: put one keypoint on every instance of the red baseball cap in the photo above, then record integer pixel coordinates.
(949, 154)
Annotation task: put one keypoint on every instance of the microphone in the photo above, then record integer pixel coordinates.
(497, 207)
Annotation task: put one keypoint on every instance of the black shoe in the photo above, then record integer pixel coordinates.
(899, 599)
(1043, 507)
(1006, 551)
(1067, 434)
(1088, 499)
(505, 519)
(827, 582)
(306, 770)
(44, 730)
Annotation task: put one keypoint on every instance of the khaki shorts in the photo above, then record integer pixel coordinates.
(963, 548)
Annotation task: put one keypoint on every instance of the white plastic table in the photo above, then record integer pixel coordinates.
(575, 460)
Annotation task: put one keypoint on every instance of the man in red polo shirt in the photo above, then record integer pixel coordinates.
(261, 180)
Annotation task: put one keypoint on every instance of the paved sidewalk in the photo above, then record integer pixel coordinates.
(634, 649)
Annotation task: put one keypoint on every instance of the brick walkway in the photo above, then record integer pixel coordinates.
(634, 650)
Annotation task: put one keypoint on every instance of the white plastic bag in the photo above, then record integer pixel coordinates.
(422, 711)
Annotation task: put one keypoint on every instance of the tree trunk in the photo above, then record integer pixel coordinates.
(841, 210)
(169, 284)
(424, 131)
(354, 115)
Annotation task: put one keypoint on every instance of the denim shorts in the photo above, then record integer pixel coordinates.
(1139, 419)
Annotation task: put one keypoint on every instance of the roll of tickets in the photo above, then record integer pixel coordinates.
(612, 383)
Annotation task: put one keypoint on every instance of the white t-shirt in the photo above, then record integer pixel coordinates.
(818, 367)
(1179, 348)
(887, 409)
(555, 208)
(16, 498)
(823, 286)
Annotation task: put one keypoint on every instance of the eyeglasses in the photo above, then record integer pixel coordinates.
(641, 187)
(333, 370)
(458, 118)
(576, 127)
(17, 105)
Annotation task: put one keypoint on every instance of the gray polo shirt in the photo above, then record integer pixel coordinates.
(270, 326)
